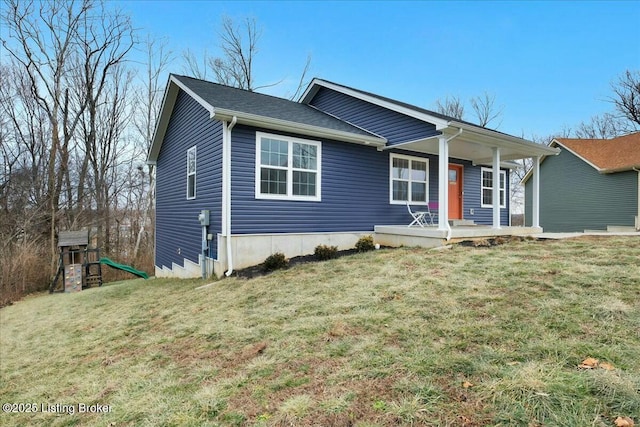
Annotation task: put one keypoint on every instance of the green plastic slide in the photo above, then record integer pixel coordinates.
(127, 268)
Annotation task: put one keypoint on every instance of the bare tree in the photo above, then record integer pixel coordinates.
(486, 110)
(239, 45)
(40, 40)
(235, 67)
(452, 107)
(148, 103)
(64, 50)
(605, 126)
(626, 98)
(192, 65)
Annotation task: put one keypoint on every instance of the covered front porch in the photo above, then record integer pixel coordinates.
(491, 150)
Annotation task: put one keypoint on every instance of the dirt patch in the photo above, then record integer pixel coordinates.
(495, 241)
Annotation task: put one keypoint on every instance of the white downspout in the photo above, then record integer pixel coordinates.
(638, 215)
(535, 194)
(496, 189)
(226, 191)
(443, 183)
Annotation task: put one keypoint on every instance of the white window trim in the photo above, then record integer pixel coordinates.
(503, 190)
(289, 196)
(194, 173)
(391, 179)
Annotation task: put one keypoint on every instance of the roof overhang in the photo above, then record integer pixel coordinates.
(555, 144)
(601, 170)
(477, 145)
(171, 94)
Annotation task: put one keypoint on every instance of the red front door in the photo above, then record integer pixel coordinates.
(455, 191)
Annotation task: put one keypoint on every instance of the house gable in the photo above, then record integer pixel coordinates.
(392, 125)
(574, 196)
(178, 233)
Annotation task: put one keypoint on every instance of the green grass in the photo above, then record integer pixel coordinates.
(463, 337)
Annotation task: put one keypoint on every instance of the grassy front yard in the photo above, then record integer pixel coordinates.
(460, 337)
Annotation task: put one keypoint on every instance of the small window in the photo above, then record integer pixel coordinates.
(409, 179)
(487, 188)
(191, 173)
(287, 168)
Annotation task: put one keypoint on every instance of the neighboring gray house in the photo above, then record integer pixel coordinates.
(593, 184)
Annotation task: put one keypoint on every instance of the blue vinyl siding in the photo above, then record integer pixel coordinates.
(178, 231)
(472, 176)
(394, 126)
(575, 197)
(355, 191)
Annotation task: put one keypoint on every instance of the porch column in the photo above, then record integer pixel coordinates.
(443, 183)
(535, 193)
(496, 188)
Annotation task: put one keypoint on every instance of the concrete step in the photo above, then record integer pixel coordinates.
(620, 229)
(459, 222)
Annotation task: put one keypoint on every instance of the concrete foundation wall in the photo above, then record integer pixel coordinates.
(397, 240)
(252, 249)
(189, 271)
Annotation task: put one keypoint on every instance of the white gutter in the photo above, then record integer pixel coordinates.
(226, 191)
(295, 127)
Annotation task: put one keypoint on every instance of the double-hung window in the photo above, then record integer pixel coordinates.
(287, 168)
(191, 173)
(487, 188)
(409, 179)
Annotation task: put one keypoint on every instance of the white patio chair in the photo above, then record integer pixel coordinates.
(431, 216)
(418, 217)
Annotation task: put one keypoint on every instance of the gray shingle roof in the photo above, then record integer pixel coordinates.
(73, 238)
(230, 98)
(411, 107)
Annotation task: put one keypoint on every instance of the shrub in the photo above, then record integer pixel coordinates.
(274, 262)
(324, 252)
(365, 243)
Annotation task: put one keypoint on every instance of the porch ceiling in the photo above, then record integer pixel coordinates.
(478, 148)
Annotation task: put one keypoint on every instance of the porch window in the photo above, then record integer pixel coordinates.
(287, 168)
(191, 173)
(487, 188)
(409, 179)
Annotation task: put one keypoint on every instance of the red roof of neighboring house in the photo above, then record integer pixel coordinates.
(607, 155)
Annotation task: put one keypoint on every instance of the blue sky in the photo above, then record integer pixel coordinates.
(550, 64)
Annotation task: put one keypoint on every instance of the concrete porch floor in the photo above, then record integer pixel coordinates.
(430, 236)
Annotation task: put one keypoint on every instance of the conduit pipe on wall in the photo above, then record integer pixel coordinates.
(226, 196)
(638, 213)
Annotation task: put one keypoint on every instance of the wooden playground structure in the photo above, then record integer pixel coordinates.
(81, 266)
(78, 264)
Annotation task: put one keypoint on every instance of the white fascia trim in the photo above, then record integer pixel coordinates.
(403, 144)
(312, 89)
(168, 102)
(506, 141)
(195, 96)
(577, 155)
(299, 128)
